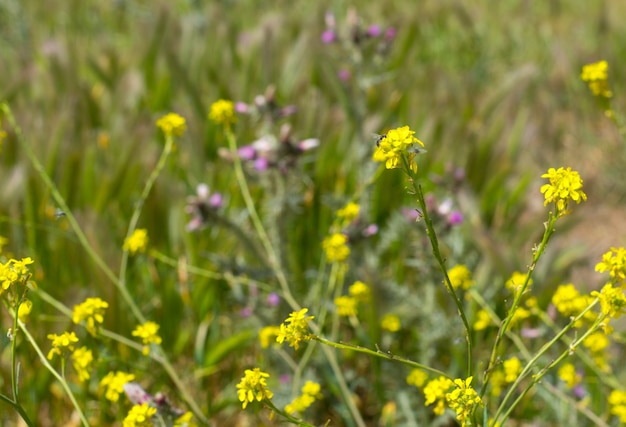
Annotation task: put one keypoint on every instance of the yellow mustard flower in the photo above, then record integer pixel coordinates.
(567, 373)
(137, 241)
(461, 277)
(463, 400)
(512, 369)
(349, 212)
(617, 402)
(62, 343)
(395, 144)
(435, 392)
(360, 291)
(267, 335)
(140, 416)
(172, 124)
(253, 386)
(81, 360)
(91, 310)
(295, 329)
(346, 306)
(310, 393)
(483, 320)
(417, 377)
(113, 383)
(148, 332)
(565, 185)
(223, 112)
(596, 75)
(614, 261)
(336, 248)
(390, 322)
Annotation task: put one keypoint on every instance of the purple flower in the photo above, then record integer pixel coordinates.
(245, 312)
(216, 200)
(242, 107)
(247, 152)
(344, 75)
(455, 218)
(328, 36)
(374, 31)
(261, 164)
(390, 34)
(273, 299)
(370, 230)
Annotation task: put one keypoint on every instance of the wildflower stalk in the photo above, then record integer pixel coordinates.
(280, 275)
(537, 253)
(59, 377)
(434, 243)
(288, 417)
(60, 201)
(532, 362)
(379, 353)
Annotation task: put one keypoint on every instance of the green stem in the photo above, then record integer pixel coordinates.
(280, 275)
(538, 252)
(532, 362)
(288, 417)
(434, 243)
(59, 377)
(380, 354)
(18, 408)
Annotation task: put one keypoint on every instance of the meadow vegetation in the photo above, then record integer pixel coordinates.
(319, 213)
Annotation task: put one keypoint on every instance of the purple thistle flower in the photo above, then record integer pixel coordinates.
(328, 36)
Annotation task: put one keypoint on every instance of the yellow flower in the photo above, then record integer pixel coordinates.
(336, 248)
(25, 307)
(617, 401)
(310, 392)
(267, 335)
(253, 386)
(172, 124)
(114, 384)
(223, 112)
(435, 392)
(390, 322)
(516, 281)
(3, 241)
(360, 291)
(567, 373)
(512, 368)
(184, 420)
(346, 306)
(463, 400)
(565, 185)
(61, 343)
(417, 377)
(349, 212)
(81, 359)
(140, 416)
(92, 310)
(614, 261)
(597, 75)
(612, 301)
(483, 320)
(395, 144)
(295, 329)
(136, 242)
(148, 334)
(461, 277)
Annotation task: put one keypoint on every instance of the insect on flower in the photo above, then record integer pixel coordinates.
(379, 138)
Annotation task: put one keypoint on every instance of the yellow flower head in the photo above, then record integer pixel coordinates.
(461, 277)
(295, 329)
(567, 373)
(614, 261)
(360, 291)
(81, 359)
(223, 112)
(336, 248)
(148, 334)
(310, 392)
(395, 144)
(463, 400)
(267, 335)
(92, 310)
(136, 242)
(14, 271)
(417, 377)
(512, 368)
(253, 386)
(597, 75)
(612, 301)
(617, 402)
(435, 392)
(516, 281)
(140, 416)
(565, 185)
(349, 212)
(114, 384)
(172, 124)
(483, 320)
(346, 306)
(390, 322)
(62, 343)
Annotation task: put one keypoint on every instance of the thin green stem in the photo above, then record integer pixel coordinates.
(538, 252)
(434, 243)
(53, 371)
(533, 361)
(288, 417)
(280, 275)
(18, 408)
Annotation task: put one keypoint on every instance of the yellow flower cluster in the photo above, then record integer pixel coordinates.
(172, 124)
(596, 75)
(617, 402)
(62, 343)
(137, 241)
(267, 335)
(336, 248)
(614, 261)
(435, 392)
(463, 400)
(253, 386)
(92, 310)
(461, 277)
(565, 185)
(310, 393)
(113, 383)
(223, 112)
(348, 213)
(567, 373)
(14, 271)
(516, 281)
(417, 377)
(148, 332)
(390, 322)
(295, 329)
(140, 416)
(396, 144)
